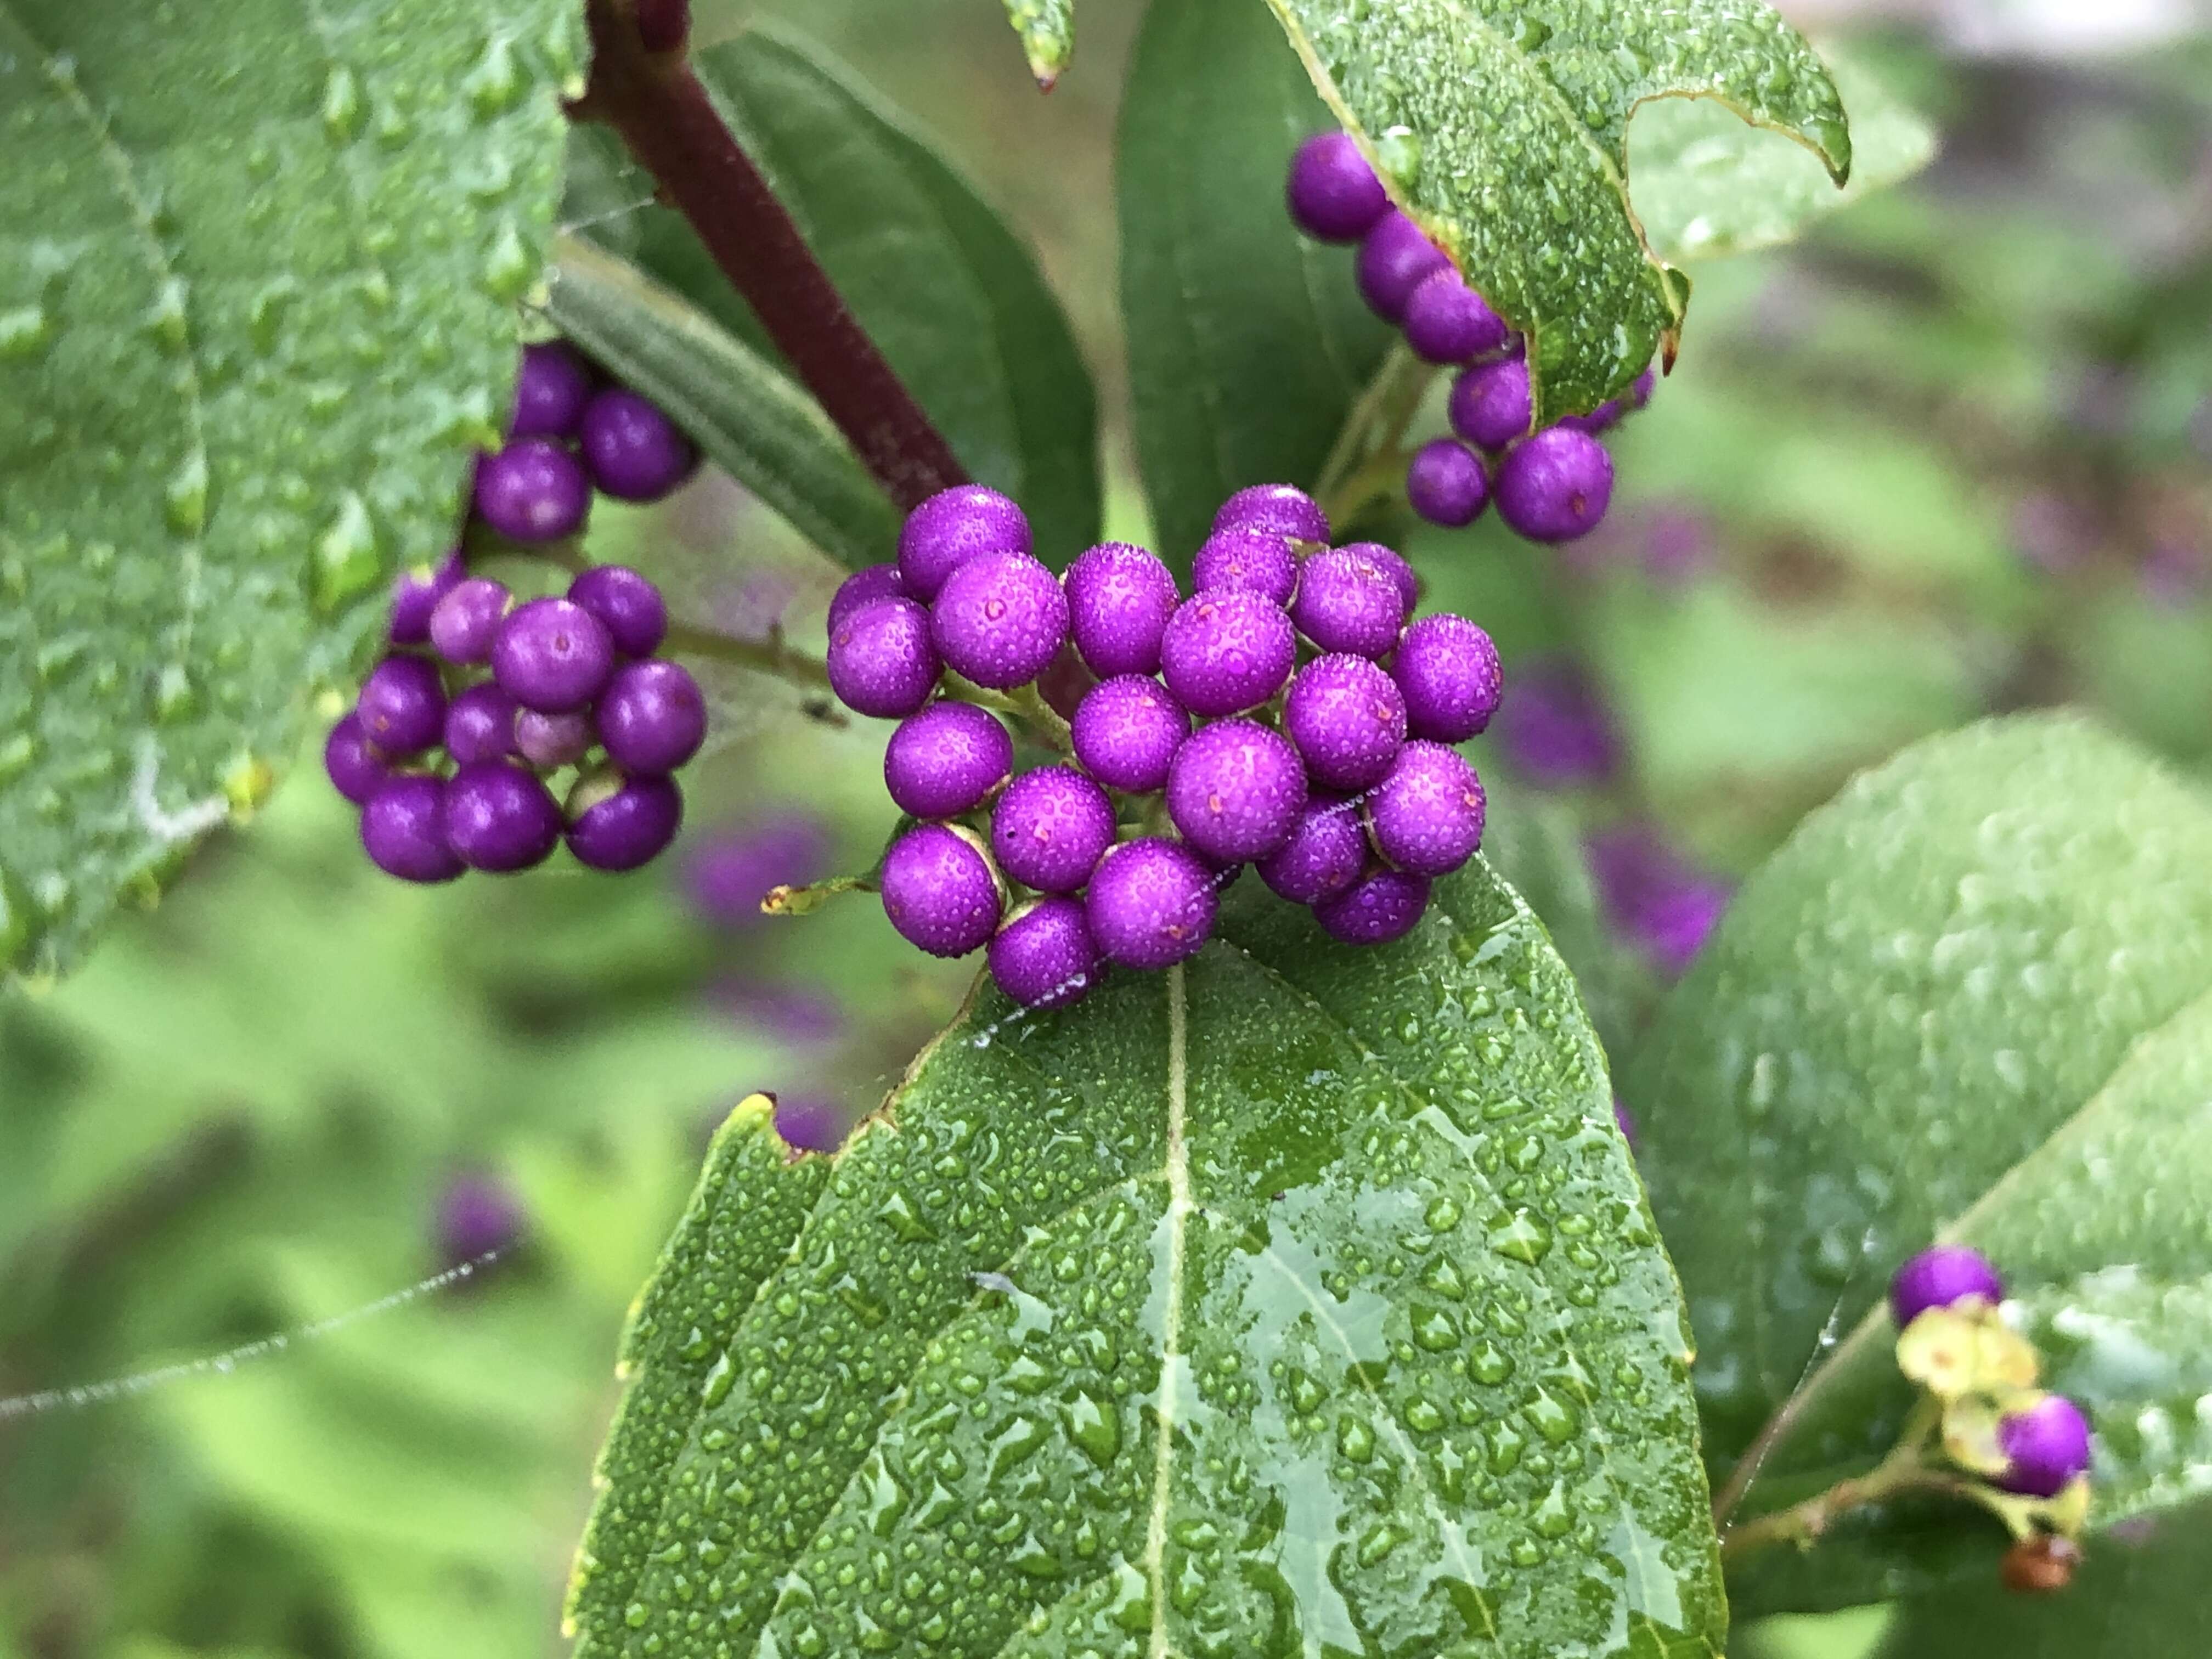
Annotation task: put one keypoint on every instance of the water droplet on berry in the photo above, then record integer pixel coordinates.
(345, 563)
(343, 107)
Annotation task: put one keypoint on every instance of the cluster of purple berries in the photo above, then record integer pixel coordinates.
(1550, 486)
(482, 702)
(1284, 714)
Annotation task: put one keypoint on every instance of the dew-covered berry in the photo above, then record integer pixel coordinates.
(1226, 651)
(552, 740)
(1490, 404)
(635, 452)
(617, 824)
(939, 890)
(552, 655)
(534, 490)
(1943, 1276)
(1347, 601)
(1119, 600)
(1246, 560)
(875, 582)
(1447, 322)
(1381, 906)
(652, 717)
(1325, 853)
(630, 606)
(1447, 668)
(1332, 193)
(357, 770)
(1555, 486)
(1125, 731)
(1446, 484)
(952, 527)
(1151, 903)
(2046, 1447)
(402, 830)
(881, 661)
(1347, 718)
(998, 620)
(402, 706)
(416, 594)
(1277, 509)
(551, 391)
(1045, 957)
(1426, 817)
(1050, 828)
(500, 817)
(1234, 790)
(946, 760)
(1396, 257)
(467, 620)
(480, 724)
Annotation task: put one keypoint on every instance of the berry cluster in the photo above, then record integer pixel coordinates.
(483, 701)
(1284, 714)
(1550, 486)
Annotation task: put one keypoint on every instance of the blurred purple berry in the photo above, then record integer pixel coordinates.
(627, 603)
(2046, 1447)
(1941, 1276)
(1150, 904)
(1119, 600)
(1246, 560)
(402, 706)
(1127, 731)
(1553, 726)
(402, 830)
(416, 592)
(534, 490)
(790, 1013)
(998, 619)
(1349, 602)
(635, 452)
(618, 823)
(1426, 816)
(945, 760)
(1326, 852)
(552, 740)
(940, 891)
(1448, 670)
(1489, 404)
(1625, 1121)
(357, 770)
(1447, 322)
(1653, 899)
(1234, 790)
(952, 527)
(1555, 486)
(1382, 905)
(881, 661)
(551, 391)
(1226, 651)
(1347, 718)
(480, 724)
(552, 655)
(467, 620)
(876, 581)
(1396, 257)
(1332, 192)
(809, 1122)
(652, 718)
(1043, 956)
(500, 817)
(1277, 509)
(729, 872)
(1050, 828)
(1445, 484)
(477, 1217)
(1677, 542)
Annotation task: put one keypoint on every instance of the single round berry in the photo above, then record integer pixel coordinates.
(1151, 903)
(630, 606)
(1044, 958)
(1119, 600)
(552, 740)
(952, 527)
(809, 1122)
(480, 724)
(500, 817)
(1639, 391)
(1490, 404)
(416, 594)
(1606, 415)
(534, 490)
(1332, 193)
(1125, 731)
(946, 760)
(1943, 1276)
(1445, 484)
(998, 620)
(357, 769)
(939, 890)
(478, 1218)
(1396, 257)
(1277, 509)
(1050, 828)
(881, 661)
(1426, 817)
(1392, 563)
(2046, 1447)
(617, 824)
(1382, 905)
(1447, 322)
(1347, 601)
(552, 655)
(635, 452)
(652, 717)
(1244, 560)
(467, 620)
(1226, 651)
(875, 582)
(402, 706)
(1448, 670)
(1326, 852)
(403, 828)
(1234, 790)
(1555, 727)
(551, 391)
(1347, 718)
(1555, 486)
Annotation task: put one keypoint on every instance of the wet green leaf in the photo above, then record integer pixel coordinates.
(256, 291)
(1300, 1300)
(1047, 31)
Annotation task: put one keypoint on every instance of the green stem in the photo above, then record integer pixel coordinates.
(1908, 1468)
(1025, 704)
(1372, 430)
(769, 656)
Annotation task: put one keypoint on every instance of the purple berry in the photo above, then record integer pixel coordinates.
(1127, 731)
(477, 1217)
(1347, 718)
(1276, 509)
(1555, 486)
(630, 606)
(617, 824)
(1151, 903)
(534, 490)
(1226, 652)
(1447, 322)
(357, 770)
(1332, 193)
(1554, 727)
(1234, 790)
(500, 817)
(1119, 600)
(881, 661)
(1624, 1120)
(480, 724)
(1941, 1276)
(1425, 817)
(551, 391)
(945, 760)
(1243, 560)
(467, 620)
(939, 890)
(998, 620)
(402, 706)
(952, 527)
(1392, 564)
(1349, 602)
(1383, 905)
(403, 828)
(1490, 403)
(1043, 958)
(1396, 257)
(811, 1123)
(1326, 852)
(1653, 898)
(1639, 392)
(728, 876)
(416, 594)
(876, 581)
(1050, 828)
(1605, 415)
(1445, 484)
(652, 717)
(552, 655)
(635, 452)
(1448, 670)
(552, 740)
(2046, 1447)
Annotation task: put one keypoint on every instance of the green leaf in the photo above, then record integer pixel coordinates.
(1247, 344)
(1298, 1300)
(257, 288)
(1047, 31)
(1503, 127)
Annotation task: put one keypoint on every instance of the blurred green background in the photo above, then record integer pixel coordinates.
(1952, 455)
